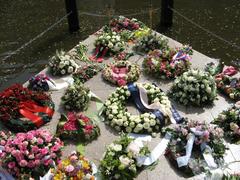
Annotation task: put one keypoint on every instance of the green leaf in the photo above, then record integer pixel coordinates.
(81, 149)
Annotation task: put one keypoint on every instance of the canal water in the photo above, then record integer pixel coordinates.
(22, 20)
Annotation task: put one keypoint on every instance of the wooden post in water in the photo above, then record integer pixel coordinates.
(166, 13)
(73, 23)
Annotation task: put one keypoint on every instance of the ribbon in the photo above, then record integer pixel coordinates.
(140, 99)
(205, 149)
(156, 152)
(28, 108)
(4, 175)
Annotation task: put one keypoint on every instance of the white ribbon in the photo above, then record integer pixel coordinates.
(1, 149)
(183, 160)
(156, 105)
(156, 152)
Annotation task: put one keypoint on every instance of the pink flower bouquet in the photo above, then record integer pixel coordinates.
(30, 154)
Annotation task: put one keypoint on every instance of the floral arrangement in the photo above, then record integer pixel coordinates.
(225, 82)
(122, 23)
(61, 64)
(151, 42)
(194, 87)
(204, 138)
(76, 97)
(107, 44)
(229, 86)
(120, 159)
(78, 127)
(4, 136)
(125, 27)
(82, 52)
(76, 166)
(168, 63)
(117, 116)
(229, 120)
(123, 56)
(30, 154)
(39, 82)
(121, 72)
(86, 72)
(22, 109)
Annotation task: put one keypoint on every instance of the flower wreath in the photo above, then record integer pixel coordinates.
(107, 44)
(155, 115)
(86, 72)
(168, 63)
(151, 42)
(61, 64)
(77, 127)
(229, 120)
(229, 86)
(121, 72)
(76, 166)
(22, 109)
(30, 155)
(76, 97)
(194, 87)
(195, 147)
(121, 159)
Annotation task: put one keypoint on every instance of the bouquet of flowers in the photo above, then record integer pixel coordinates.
(122, 23)
(123, 56)
(168, 63)
(86, 72)
(195, 147)
(76, 166)
(228, 85)
(107, 44)
(79, 52)
(229, 120)
(61, 64)
(117, 116)
(121, 72)
(78, 127)
(151, 42)
(22, 109)
(120, 159)
(194, 87)
(39, 82)
(30, 154)
(76, 97)
(4, 136)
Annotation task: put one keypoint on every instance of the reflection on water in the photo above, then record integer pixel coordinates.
(22, 20)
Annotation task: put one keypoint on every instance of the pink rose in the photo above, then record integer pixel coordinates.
(23, 163)
(11, 165)
(69, 168)
(3, 142)
(55, 148)
(40, 141)
(47, 162)
(37, 162)
(35, 149)
(30, 136)
(31, 164)
(122, 82)
(44, 151)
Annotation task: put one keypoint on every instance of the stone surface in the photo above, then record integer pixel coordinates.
(95, 149)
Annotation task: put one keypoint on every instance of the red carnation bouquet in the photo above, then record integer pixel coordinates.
(77, 127)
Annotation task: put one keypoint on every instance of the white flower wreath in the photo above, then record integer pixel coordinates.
(117, 116)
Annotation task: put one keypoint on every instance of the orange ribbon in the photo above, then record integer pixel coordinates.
(28, 108)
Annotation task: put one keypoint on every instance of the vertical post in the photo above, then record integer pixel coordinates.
(167, 13)
(73, 23)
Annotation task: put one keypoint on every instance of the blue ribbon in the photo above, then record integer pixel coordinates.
(135, 97)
